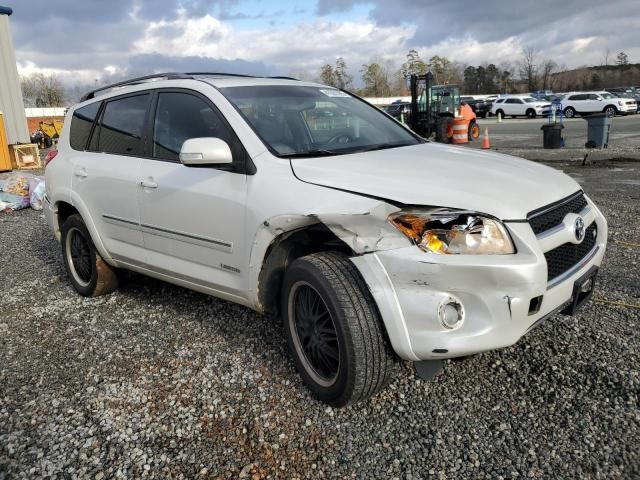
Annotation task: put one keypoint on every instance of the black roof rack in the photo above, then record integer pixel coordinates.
(219, 74)
(135, 81)
(170, 76)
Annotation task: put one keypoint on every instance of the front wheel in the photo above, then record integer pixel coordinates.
(334, 330)
(569, 112)
(89, 274)
(531, 113)
(611, 111)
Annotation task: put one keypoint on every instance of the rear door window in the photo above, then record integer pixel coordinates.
(81, 124)
(122, 125)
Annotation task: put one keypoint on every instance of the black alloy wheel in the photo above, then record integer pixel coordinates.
(316, 334)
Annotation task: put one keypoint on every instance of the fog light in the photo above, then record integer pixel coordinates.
(450, 313)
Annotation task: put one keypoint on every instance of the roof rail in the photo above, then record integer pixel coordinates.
(136, 81)
(170, 76)
(220, 74)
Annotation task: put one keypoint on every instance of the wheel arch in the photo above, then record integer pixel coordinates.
(63, 209)
(286, 248)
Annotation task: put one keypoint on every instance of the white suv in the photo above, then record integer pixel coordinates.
(520, 106)
(299, 199)
(595, 102)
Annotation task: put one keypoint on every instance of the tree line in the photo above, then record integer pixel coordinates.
(383, 78)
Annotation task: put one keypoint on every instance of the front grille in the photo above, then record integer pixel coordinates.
(561, 259)
(546, 218)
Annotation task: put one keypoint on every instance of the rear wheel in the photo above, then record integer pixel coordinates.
(569, 112)
(610, 110)
(334, 331)
(89, 274)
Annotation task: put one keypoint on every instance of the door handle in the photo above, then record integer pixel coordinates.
(148, 183)
(82, 173)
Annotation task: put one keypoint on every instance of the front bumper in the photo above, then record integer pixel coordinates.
(495, 292)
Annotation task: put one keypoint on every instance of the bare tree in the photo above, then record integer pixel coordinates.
(40, 90)
(548, 69)
(528, 68)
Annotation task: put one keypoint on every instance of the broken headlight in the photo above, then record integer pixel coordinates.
(454, 232)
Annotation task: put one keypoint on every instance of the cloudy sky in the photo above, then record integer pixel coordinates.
(82, 40)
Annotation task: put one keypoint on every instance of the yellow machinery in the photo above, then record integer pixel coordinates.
(5, 159)
(51, 131)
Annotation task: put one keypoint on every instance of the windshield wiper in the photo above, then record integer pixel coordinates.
(311, 153)
(380, 146)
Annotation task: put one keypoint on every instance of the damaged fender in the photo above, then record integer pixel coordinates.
(363, 232)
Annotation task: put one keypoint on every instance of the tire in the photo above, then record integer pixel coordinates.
(531, 113)
(89, 274)
(358, 359)
(610, 110)
(569, 112)
(474, 130)
(444, 129)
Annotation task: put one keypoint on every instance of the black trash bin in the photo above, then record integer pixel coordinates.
(598, 128)
(552, 135)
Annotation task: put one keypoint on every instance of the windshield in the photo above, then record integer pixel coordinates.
(530, 100)
(315, 121)
(607, 96)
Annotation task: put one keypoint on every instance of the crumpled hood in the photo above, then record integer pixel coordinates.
(433, 174)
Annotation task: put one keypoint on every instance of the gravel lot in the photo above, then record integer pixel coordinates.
(160, 382)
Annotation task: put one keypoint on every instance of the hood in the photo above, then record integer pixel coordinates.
(433, 174)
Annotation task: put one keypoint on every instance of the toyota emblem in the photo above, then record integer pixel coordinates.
(578, 229)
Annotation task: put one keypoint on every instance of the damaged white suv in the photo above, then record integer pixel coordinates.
(302, 200)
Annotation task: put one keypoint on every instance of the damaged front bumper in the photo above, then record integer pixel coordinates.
(501, 296)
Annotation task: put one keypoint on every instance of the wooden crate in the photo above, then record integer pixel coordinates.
(26, 156)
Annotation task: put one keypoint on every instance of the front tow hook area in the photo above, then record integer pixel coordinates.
(428, 369)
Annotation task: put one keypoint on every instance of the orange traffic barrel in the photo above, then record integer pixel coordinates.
(460, 130)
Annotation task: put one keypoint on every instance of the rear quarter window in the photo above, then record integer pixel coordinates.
(81, 124)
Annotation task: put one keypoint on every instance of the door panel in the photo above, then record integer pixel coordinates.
(193, 223)
(107, 185)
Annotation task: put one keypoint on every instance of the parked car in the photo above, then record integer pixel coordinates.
(520, 106)
(628, 92)
(592, 102)
(541, 93)
(371, 244)
(481, 107)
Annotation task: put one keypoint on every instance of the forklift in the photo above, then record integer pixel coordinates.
(434, 107)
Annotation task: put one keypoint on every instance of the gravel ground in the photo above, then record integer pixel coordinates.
(157, 381)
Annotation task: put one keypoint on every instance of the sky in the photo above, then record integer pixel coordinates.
(85, 40)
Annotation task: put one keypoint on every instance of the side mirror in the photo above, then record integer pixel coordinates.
(205, 151)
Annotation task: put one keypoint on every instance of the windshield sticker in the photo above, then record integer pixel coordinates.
(334, 93)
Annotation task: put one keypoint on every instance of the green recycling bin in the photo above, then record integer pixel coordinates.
(598, 129)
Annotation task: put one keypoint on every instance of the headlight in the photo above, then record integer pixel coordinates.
(454, 232)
